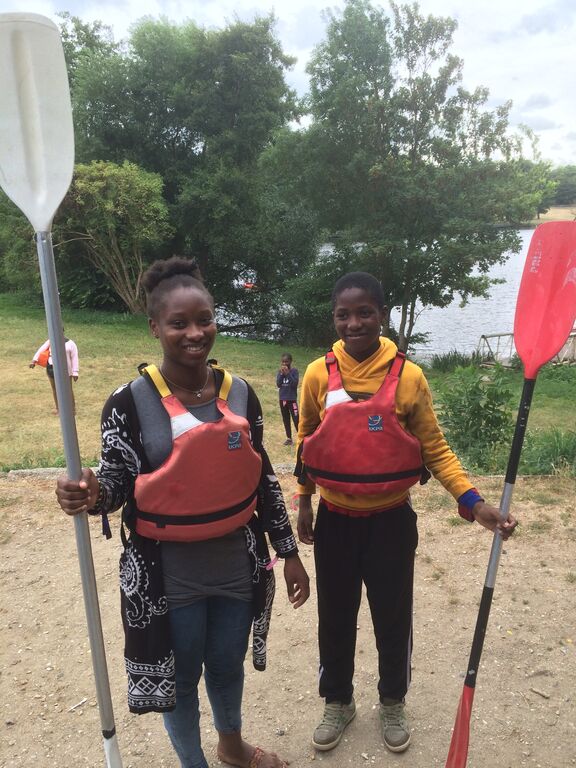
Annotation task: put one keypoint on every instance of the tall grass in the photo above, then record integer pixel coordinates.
(550, 452)
(449, 361)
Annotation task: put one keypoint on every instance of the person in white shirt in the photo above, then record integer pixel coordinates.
(43, 357)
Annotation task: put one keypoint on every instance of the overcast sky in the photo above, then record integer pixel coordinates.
(523, 50)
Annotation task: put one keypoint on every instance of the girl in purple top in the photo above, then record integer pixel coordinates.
(287, 383)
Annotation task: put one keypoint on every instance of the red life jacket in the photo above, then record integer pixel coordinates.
(208, 485)
(360, 447)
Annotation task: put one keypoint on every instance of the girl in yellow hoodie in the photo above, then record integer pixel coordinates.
(365, 529)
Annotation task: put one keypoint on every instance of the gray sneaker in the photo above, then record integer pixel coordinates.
(395, 726)
(336, 718)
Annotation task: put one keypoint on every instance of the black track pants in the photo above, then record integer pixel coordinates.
(289, 410)
(379, 552)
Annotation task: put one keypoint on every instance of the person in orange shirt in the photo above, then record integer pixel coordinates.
(367, 433)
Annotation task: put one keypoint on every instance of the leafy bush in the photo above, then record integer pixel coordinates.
(558, 373)
(476, 417)
(83, 287)
(449, 361)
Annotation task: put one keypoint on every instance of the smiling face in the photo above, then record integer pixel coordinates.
(186, 327)
(358, 321)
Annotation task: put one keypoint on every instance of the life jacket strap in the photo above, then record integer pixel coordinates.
(381, 477)
(226, 385)
(335, 383)
(153, 374)
(397, 365)
(209, 517)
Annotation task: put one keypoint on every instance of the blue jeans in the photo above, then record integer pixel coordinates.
(212, 632)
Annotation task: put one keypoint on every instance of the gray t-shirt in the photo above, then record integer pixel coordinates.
(197, 569)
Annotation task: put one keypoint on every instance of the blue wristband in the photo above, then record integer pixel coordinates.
(466, 503)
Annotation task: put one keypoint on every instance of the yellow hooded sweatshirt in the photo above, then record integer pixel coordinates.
(414, 410)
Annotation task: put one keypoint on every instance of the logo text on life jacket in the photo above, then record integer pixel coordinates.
(374, 423)
(234, 440)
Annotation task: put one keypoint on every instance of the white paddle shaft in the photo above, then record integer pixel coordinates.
(74, 471)
(36, 166)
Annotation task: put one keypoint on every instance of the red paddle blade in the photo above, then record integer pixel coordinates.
(458, 753)
(546, 306)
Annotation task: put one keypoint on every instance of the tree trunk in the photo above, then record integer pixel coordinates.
(402, 339)
(407, 322)
(386, 325)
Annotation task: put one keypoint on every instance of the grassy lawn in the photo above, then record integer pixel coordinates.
(553, 405)
(111, 346)
(557, 213)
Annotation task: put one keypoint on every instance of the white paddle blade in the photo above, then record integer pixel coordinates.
(36, 132)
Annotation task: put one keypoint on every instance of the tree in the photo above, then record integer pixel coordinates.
(81, 40)
(407, 164)
(308, 309)
(114, 216)
(565, 178)
(199, 107)
(18, 259)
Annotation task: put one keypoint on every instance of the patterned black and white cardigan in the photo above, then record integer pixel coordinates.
(148, 653)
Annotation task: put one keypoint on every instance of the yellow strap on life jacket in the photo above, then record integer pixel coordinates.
(164, 390)
(158, 380)
(226, 382)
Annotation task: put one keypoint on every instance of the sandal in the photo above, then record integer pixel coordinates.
(257, 756)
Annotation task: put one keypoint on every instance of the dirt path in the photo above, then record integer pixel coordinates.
(524, 711)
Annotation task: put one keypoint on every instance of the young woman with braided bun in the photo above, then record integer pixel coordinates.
(182, 455)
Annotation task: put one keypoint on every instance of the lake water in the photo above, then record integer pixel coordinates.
(460, 328)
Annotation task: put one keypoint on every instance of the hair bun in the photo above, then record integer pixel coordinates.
(167, 268)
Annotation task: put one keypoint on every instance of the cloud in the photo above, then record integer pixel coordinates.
(554, 17)
(536, 121)
(540, 123)
(303, 29)
(499, 36)
(571, 136)
(538, 101)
